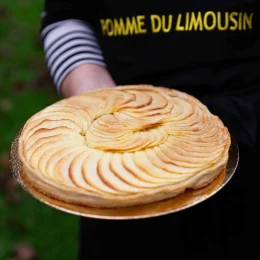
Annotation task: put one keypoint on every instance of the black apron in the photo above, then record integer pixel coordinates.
(210, 49)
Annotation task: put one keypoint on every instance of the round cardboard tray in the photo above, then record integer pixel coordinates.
(169, 206)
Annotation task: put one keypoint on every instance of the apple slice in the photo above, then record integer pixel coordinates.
(56, 157)
(168, 155)
(171, 168)
(90, 173)
(117, 167)
(61, 174)
(141, 100)
(130, 164)
(191, 154)
(153, 166)
(76, 172)
(110, 179)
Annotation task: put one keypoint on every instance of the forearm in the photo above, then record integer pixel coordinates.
(86, 77)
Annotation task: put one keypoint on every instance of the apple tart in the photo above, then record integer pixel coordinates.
(123, 146)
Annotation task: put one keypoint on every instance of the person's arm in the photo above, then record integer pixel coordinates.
(73, 54)
(85, 77)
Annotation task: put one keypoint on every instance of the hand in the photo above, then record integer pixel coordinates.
(84, 78)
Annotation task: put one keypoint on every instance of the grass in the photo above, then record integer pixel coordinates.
(25, 88)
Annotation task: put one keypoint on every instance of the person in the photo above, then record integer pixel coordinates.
(208, 49)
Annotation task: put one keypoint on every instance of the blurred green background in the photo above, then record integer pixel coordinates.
(28, 228)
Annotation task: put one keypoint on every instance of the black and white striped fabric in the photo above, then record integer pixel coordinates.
(68, 44)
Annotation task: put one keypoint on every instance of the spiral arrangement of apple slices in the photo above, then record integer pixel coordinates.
(123, 146)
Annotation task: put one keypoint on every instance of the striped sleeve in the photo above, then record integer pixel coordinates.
(67, 44)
